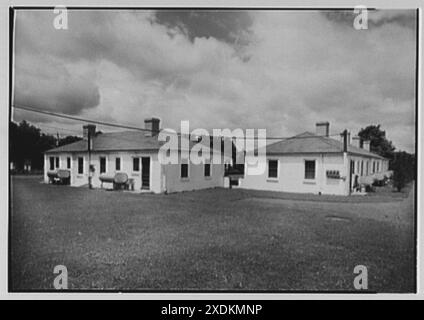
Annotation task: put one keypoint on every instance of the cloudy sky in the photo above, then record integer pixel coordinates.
(279, 70)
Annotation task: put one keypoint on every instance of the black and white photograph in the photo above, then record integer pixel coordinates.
(213, 149)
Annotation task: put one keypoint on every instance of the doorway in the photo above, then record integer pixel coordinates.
(145, 173)
(351, 176)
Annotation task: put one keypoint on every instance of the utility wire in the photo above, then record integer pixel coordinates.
(65, 116)
(116, 125)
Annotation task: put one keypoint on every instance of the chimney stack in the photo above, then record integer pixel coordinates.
(349, 139)
(151, 124)
(366, 145)
(88, 129)
(323, 128)
(356, 141)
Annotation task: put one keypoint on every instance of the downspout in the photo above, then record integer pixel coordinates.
(90, 186)
(346, 162)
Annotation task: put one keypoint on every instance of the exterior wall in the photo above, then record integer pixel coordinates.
(62, 163)
(291, 175)
(196, 177)
(126, 167)
(367, 169)
(162, 177)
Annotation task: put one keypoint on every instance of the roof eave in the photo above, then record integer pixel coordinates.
(102, 150)
(327, 152)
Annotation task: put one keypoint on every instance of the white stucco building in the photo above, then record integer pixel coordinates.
(134, 153)
(317, 163)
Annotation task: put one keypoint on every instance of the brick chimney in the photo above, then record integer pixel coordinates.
(88, 129)
(366, 145)
(322, 128)
(151, 124)
(356, 141)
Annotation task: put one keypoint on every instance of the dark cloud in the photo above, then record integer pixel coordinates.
(129, 39)
(230, 26)
(294, 68)
(42, 83)
(404, 18)
(90, 34)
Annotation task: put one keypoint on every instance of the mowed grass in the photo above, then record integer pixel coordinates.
(215, 239)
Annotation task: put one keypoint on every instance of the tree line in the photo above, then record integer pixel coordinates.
(27, 144)
(402, 163)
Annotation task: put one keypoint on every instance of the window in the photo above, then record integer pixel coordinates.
(68, 162)
(309, 169)
(102, 164)
(80, 165)
(362, 167)
(136, 164)
(184, 170)
(57, 162)
(373, 166)
(366, 168)
(378, 166)
(272, 168)
(207, 169)
(118, 164)
(51, 163)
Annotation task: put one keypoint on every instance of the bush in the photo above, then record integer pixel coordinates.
(369, 188)
(399, 179)
(380, 183)
(403, 169)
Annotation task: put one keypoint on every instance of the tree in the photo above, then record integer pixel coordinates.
(28, 143)
(403, 169)
(402, 163)
(378, 141)
(68, 140)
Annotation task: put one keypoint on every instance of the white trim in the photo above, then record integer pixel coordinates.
(83, 166)
(54, 163)
(70, 162)
(120, 163)
(150, 171)
(304, 170)
(188, 170)
(139, 165)
(100, 164)
(273, 179)
(210, 170)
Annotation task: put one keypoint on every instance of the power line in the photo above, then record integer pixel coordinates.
(65, 116)
(116, 125)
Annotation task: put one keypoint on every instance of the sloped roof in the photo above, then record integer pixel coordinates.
(125, 140)
(117, 141)
(308, 142)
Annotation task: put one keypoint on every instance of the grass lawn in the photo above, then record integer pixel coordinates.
(208, 240)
